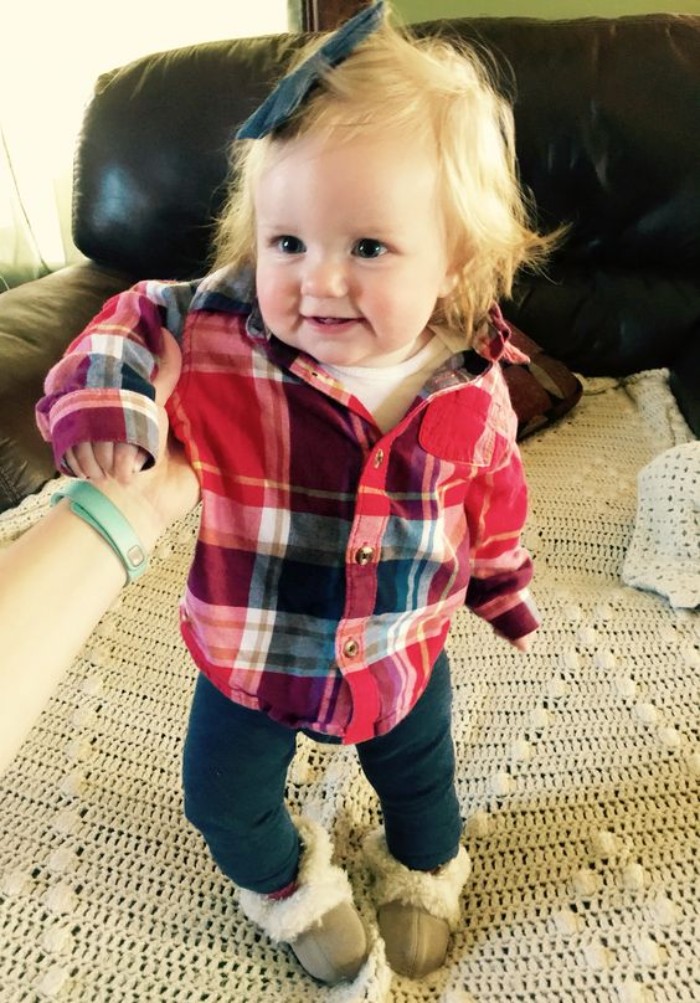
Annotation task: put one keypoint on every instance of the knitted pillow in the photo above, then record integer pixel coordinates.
(542, 390)
(664, 552)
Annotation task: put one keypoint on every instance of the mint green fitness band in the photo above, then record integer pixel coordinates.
(95, 508)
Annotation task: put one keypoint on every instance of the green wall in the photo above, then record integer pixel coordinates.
(426, 10)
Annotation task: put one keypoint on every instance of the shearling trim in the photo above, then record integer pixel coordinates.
(439, 894)
(322, 886)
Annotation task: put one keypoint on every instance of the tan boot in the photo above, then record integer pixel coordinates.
(416, 910)
(335, 948)
(415, 942)
(318, 921)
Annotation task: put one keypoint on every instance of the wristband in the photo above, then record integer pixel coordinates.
(95, 508)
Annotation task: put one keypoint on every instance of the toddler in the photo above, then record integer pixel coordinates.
(342, 404)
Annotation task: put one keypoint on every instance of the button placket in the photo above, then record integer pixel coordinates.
(362, 553)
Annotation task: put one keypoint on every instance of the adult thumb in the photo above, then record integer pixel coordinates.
(169, 367)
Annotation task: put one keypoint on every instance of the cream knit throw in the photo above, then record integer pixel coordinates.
(578, 768)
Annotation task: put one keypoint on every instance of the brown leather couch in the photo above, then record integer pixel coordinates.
(607, 115)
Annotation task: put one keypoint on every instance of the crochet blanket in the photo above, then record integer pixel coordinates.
(578, 769)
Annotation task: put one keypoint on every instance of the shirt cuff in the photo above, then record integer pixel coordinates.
(103, 416)
(519, 620)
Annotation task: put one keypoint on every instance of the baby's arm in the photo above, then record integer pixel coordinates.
(121, 460)
(99, 410)
(501, 567)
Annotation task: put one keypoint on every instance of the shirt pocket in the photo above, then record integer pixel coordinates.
(466, 426)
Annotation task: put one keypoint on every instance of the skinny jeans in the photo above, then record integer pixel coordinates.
(235, 768)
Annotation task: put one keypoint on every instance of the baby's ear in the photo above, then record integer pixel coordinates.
(454, 266)
(448, 283)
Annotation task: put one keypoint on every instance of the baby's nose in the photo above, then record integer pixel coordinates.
(324, 277)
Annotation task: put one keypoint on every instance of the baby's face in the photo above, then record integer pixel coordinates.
(351, 255)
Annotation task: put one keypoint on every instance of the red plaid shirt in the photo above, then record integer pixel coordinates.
(331, 557)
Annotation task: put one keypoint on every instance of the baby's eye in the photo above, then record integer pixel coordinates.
(368, 247)
(289, 245)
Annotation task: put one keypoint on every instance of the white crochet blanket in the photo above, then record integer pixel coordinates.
(578, 769)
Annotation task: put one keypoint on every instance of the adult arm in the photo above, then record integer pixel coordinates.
(64, 569)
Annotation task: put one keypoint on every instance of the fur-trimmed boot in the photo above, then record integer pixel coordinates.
(318, 920)
(416, 910)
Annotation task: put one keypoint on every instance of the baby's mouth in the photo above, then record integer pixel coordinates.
(328, 321)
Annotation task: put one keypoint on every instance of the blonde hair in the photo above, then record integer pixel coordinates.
(421, 90)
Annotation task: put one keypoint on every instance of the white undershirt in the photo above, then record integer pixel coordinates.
(387, 391)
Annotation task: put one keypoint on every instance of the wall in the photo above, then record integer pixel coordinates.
(51, 55)
(426, 10)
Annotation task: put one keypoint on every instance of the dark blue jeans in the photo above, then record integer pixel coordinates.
(235, 774)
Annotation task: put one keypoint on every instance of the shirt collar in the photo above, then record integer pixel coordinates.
(492, 339)
(228, 290)
(232, 290)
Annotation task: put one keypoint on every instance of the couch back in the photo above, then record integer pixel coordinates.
(607, 115)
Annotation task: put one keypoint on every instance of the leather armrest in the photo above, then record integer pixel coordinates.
(38, 320)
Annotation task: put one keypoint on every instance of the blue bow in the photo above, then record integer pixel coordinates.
(291, 91)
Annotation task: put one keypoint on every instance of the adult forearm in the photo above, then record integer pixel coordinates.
(56, 582)
(62, 582)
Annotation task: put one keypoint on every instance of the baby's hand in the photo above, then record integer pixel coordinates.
(523, 643)
(95, 460)
(121, 460)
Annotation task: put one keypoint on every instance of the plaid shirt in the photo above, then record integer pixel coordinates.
(331, 557)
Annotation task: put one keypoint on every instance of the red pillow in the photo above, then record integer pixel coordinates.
(541, 390)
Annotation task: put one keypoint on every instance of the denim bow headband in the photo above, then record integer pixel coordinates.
(292, 90)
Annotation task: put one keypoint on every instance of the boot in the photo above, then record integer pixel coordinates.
(416, 910)
(318, 920)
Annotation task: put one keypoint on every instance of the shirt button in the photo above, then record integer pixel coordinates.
(379, 458)
(351, 648)
(363, 555)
